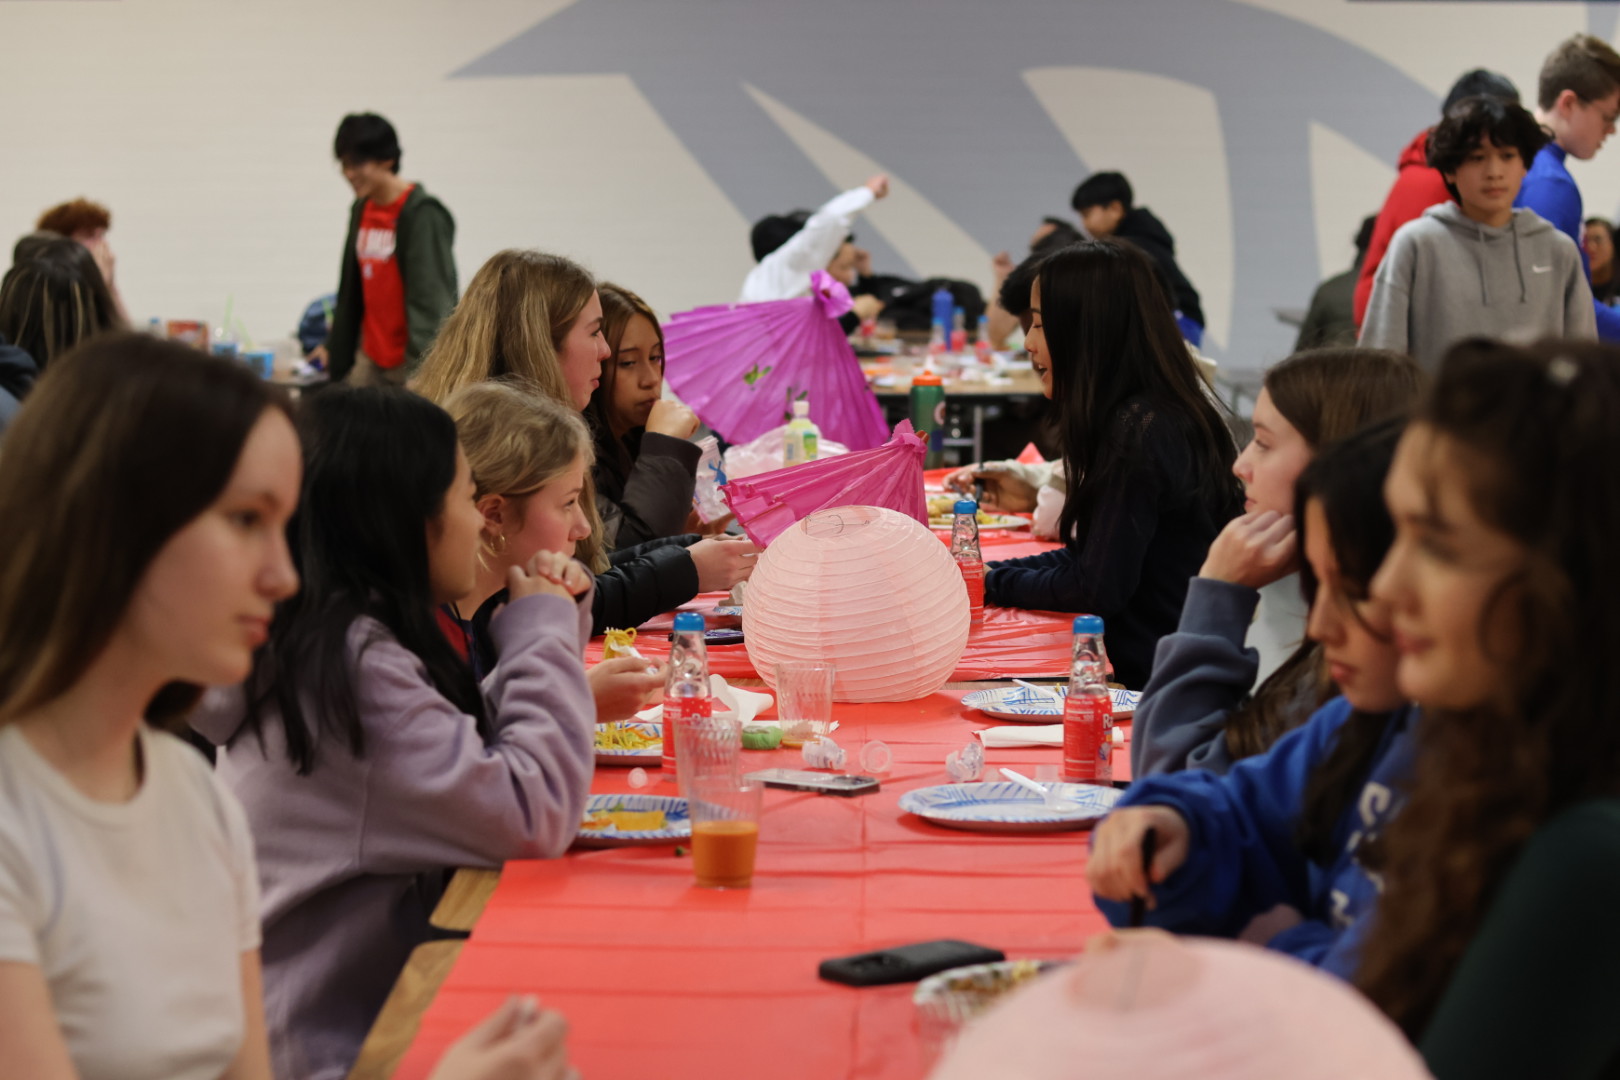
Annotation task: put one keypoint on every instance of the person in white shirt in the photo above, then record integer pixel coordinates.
(790, 247)
(129, 922)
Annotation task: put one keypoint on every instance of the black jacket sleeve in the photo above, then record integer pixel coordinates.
(344, 339)
(644, 581)
(657, 494)
(1098, 573)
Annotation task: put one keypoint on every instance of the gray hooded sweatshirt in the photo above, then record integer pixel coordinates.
(1447, 277)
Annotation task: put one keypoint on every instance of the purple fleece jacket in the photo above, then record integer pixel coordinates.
(352, 857)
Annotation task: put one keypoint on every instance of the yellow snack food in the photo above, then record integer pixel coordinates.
(619, 643)
(624, 820)
(624, 737)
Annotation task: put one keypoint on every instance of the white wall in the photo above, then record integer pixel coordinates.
(206, 126)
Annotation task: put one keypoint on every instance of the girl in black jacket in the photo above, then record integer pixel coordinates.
(1146, 452)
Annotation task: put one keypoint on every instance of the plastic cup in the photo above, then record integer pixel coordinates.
(804, 690)
(725, 831)
(709, 749)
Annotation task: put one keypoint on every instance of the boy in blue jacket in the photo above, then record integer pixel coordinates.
(1578, 100)
(1274, 851)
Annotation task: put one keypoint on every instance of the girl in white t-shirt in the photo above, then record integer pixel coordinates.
(143, 495)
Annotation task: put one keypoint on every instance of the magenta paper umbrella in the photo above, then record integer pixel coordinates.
(740, 367)
(890, 476)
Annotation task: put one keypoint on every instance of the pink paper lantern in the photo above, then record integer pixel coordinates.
(1155, 1007)
(867, 589)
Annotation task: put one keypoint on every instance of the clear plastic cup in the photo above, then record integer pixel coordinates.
(725, 831)
(708, 749)
(804, 690)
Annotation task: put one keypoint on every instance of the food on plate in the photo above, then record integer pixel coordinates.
(626, 737)
(617, 817)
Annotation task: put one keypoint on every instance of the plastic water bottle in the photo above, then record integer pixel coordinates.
(1088, 712)
(944, 305)
(958, 332)
(686, 689)
(157, 328)
(936, 340)
(981, 343)
(928, 415)
(965, 550)
(802, 440)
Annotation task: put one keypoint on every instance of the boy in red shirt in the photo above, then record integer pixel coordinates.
(398, 277)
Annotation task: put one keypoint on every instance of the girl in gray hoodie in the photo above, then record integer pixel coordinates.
(368, 759)
(1476, 266)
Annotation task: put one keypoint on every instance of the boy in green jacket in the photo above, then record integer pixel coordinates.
(398, 276)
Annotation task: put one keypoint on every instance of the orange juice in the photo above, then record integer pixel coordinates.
(723, 853)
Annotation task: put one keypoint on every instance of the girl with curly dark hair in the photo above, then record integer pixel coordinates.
(1492, 942)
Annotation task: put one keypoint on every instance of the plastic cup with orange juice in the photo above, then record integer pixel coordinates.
(725, 831)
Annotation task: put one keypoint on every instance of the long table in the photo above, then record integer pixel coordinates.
(661, 979)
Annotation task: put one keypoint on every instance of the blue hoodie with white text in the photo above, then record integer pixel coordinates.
(1244, 859)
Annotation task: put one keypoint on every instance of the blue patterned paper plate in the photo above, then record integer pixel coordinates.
(677, 821)
(1005, 807)
(1026, 706)
(733, 611)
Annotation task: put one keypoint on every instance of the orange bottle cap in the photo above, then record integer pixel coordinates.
(926, 378)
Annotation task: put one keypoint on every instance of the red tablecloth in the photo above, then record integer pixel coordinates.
(662, 979)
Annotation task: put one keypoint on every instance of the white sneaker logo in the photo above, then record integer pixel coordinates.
(1540, 269)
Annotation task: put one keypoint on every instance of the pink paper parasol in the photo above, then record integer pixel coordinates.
(889, 476)
(740, 367)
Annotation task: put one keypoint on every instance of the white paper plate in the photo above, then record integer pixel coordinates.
(1025, 706)
(1006, 807)
(650, 755)
(677, 821)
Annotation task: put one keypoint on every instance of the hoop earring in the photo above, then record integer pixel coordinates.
(497, 546)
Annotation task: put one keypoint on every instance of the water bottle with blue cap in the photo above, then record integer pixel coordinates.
(965, 550)
(686, 688)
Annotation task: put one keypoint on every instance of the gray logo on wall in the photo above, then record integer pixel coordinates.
(935, 90)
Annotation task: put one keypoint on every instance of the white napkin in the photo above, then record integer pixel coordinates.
(734, 700)
(1000, 738)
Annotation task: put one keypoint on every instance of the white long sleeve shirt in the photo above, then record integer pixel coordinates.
(784, 274)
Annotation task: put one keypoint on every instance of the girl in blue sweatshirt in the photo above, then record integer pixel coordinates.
(1271, 852)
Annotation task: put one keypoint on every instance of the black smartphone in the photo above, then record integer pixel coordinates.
(821, 783)
(906, 963)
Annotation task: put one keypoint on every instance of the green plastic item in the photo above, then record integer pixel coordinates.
(765, 738)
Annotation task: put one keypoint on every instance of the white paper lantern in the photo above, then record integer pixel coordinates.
(867, 589)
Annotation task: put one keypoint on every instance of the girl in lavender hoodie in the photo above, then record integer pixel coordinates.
(369, 761)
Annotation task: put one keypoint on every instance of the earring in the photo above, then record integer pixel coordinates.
(497, 546)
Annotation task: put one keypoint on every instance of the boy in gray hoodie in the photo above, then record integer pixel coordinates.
(1476, 266)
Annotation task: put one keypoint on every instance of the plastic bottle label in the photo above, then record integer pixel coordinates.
(676, 712)
(973, 577)
(1088, 739)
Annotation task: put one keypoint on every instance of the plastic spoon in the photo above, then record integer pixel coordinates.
(1051, 796)
(1044, 691)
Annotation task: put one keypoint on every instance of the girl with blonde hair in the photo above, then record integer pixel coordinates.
(530, 458)
(536, 320)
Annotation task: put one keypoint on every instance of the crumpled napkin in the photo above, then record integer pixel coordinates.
(733, 700)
